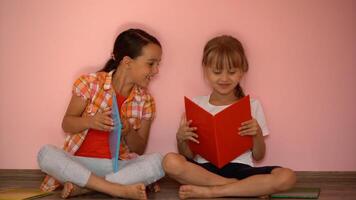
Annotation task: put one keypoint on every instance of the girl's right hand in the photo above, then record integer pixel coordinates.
(185, 132)
(101, 121)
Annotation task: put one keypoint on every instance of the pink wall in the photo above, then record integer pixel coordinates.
(302, 56)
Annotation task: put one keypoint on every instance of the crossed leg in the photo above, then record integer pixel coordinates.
(200, 183)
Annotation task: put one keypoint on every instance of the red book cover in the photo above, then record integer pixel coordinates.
(219, 141)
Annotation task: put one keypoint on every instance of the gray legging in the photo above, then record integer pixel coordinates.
(68, 168)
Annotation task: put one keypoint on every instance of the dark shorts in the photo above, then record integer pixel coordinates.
(236, 170)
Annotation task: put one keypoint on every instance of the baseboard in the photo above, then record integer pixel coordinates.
(330, 175)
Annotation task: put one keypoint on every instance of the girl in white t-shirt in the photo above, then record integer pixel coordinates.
(224, 63)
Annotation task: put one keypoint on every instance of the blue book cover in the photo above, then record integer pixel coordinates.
(115, 135)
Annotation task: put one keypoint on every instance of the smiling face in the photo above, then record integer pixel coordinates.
(225, 63)
(223, 80)
(145, 66)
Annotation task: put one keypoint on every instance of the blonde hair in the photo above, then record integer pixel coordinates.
(226, 51)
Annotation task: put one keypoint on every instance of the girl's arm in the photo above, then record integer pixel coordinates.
(185, 133)
(136, 140)
(184, 149)
(73, 122)
(253, 129)
(259, 146)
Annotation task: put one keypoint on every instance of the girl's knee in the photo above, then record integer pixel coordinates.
(172, 163)
(156, 158)
(286, 179)
(51, 157)
(44, 152)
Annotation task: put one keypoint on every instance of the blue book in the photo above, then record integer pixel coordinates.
(115, 135)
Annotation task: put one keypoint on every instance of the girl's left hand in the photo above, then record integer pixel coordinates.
(250, 127)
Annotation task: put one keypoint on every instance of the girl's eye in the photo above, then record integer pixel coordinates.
(150, 64)
(232, 72)
(216, 71)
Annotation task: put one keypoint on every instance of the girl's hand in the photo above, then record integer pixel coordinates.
(250, 127)
(185, 132)
(101, 121)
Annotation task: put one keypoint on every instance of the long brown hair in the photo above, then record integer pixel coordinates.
(226, 51)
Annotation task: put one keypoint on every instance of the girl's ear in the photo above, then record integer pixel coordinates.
(126, 60)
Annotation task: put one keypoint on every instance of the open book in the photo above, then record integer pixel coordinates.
(115, 135)
(219, 141)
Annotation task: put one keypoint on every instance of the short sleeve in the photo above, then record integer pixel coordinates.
(258, 114)
(149, 109)
(81, 87)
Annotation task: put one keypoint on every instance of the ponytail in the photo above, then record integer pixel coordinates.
(110, 65)
(239, 93)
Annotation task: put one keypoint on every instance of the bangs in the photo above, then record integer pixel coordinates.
(224, 57)
(225, 52)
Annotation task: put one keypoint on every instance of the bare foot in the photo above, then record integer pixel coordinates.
(70, 190)
(192, 191)
(154, 187)
(135, 191)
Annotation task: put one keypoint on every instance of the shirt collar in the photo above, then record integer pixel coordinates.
(108, 80)
(136, 93)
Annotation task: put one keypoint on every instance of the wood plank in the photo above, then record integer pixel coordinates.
(333, 185)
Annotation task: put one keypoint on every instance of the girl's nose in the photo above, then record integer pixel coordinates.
(155, 70)
(224, 76)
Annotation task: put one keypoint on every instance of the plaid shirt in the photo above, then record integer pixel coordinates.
(96, 89)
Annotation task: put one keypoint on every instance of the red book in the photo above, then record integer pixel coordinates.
(219, 141)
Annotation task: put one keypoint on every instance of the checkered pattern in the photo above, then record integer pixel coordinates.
(97, 90)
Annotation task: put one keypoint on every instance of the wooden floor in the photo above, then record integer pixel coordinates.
(333, 185)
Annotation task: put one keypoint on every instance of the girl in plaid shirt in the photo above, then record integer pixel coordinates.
(84, 163)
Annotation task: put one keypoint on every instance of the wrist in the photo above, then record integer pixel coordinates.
(258, 136)
(179, 140)
(87, 122)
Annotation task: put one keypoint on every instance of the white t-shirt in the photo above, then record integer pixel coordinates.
(256, 112)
